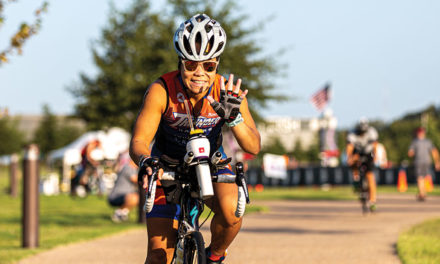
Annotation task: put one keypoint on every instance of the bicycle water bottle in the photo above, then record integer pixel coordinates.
(179, 252)
(199, 145)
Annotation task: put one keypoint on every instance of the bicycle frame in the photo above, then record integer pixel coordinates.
(191, 209)
(365, 159)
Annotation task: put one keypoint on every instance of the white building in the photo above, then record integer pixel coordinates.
(290, 130)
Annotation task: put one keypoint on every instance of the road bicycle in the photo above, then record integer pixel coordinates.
(98, 180)
(364, 188)
(193, 177)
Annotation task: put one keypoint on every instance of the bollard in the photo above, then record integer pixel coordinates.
(13, 176)
(141, 213)
(30, 217)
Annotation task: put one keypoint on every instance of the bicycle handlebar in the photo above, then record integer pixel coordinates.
(183, 168)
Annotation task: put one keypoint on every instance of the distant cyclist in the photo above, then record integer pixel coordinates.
(212, 102)
(421, 149)
(91, 155)
(361, 146)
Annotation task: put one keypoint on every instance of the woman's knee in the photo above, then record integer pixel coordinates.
(229, 218)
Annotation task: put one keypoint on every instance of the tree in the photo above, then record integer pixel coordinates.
(12, 140)
(136, 48)
(24, 32)
(52, 134)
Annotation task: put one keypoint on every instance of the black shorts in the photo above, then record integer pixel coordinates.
(117, 200)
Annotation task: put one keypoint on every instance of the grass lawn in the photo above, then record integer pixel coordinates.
(62, 220)
(420, 244)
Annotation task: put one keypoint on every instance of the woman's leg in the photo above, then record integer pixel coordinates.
(162, 234)
(224, 225)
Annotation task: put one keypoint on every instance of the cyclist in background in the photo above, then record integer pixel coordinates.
(361, 144)
(91, 155)
(421, 150)
(212, 102)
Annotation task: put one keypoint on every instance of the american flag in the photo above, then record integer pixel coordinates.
(321, 97)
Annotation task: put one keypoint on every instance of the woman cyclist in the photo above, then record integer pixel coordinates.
(213, 102)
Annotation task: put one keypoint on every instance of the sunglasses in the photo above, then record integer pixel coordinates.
(208, 66)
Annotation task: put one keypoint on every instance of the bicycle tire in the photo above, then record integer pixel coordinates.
(194, 249)
(365, 195)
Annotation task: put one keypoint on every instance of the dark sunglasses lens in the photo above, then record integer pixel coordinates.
(209, 66)
(191, 65)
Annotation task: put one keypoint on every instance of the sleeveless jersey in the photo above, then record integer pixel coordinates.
(174, 128)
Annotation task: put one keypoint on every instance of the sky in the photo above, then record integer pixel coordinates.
(382, 58)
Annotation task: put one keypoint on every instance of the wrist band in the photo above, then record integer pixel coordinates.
(239, 119)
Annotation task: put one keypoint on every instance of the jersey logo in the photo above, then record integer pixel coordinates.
(181, 120)
(201, 150)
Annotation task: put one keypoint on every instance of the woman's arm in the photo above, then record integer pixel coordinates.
(148, 120)
(246, 132)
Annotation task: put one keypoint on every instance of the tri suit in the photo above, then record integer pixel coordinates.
(174, 129)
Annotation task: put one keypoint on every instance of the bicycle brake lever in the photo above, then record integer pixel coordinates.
(151, 180)
(240, 180)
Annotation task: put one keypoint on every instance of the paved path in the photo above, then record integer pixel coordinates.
(292, 232)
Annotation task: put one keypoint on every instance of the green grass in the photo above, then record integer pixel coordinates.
(420, 244)
(62, 220)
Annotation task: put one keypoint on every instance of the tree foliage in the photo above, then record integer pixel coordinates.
(24, 32)
(136, 48)
(12, 140)
(53, 134)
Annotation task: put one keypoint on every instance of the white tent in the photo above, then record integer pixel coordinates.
(114, 141)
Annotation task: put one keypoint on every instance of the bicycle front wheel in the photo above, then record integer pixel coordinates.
(364, 195)
(194, 252)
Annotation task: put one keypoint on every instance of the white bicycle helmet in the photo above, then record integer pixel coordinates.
(199, 29)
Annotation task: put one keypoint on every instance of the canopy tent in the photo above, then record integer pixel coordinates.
(113, 142)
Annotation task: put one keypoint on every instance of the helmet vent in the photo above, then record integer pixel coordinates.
(209, 46)
(198, 40)
(200, 18)
(220, 46)
(176, 44)
(208, 28)
(187, 46)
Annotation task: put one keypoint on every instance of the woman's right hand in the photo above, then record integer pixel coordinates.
(146, 165)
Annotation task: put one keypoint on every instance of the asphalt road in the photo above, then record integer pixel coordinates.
(291, 232)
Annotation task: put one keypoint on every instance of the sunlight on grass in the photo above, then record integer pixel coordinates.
(420, 244)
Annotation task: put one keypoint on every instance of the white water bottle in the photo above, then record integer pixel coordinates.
(179, 252)
(205, 182)
(199, 145)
